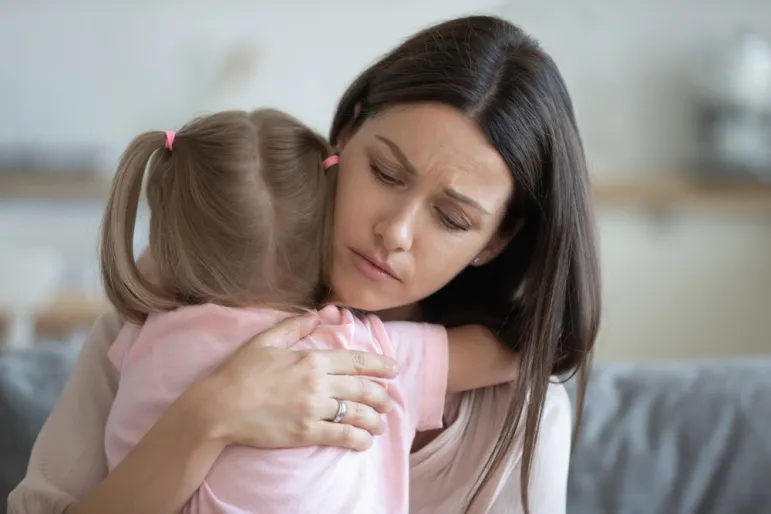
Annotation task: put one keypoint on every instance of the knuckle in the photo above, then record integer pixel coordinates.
(381, 398)
(371, 415)
(358, 411)
(363, 388)
(366, 442)
(305, 429)
(289, 326)
(311, 360)
(307, 409)
(359, 360)
(376, 420)
(347, 435)
(359, 439)
(368, 420)
(313, 385)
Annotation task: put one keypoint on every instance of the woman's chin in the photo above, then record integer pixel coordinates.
(363, 303)
(364, 299)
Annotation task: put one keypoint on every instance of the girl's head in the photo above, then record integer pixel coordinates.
(463, 179)
(238, 215)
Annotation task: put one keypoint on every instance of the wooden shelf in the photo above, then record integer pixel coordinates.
(673, 194)
(45, 185)
(65, 313)
(653, 194)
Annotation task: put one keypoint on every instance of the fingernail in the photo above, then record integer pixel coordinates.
(395, 368)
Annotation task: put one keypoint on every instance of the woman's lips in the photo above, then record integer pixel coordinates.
(372, 269)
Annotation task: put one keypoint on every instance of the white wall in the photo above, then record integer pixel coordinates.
(95, 73)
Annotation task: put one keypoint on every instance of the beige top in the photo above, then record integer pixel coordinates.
(68, 458)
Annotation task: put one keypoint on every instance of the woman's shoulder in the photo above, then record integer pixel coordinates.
(557, 417)
(557, 398)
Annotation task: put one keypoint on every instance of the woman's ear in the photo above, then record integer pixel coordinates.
(347, 131)
(497, 244)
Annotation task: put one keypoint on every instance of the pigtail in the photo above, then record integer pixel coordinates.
(131, 292)
(325, 171)
(328, 191)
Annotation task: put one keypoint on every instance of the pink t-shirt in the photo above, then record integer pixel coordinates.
(176, 349)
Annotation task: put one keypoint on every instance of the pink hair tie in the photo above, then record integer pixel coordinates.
(170, 139)
(330, 161)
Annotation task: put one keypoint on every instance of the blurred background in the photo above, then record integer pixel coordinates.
(661, 90)
(674, 102)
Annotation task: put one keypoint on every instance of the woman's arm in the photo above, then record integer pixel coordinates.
(163, 470)
(478, 359)
(68, 466)
(67, 460)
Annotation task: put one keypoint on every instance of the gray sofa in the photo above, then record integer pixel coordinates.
(30, 382)
(681, 438)
(675, 438)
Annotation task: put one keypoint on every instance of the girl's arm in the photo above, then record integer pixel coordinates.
(478, 359)
(68, 471)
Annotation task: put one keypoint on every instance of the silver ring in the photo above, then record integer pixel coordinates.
(341, 410)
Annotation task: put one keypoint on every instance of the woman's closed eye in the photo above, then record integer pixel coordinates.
(453, 222)
(384, 177)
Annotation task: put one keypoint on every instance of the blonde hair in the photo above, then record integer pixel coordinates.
(240, 214)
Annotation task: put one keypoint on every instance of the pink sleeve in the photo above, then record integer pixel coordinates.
(422, 353)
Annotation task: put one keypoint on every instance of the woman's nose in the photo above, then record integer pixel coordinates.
(397, 230)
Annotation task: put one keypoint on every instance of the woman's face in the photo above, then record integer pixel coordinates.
(420, 195)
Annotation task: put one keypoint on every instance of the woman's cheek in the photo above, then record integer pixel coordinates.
(441, 258)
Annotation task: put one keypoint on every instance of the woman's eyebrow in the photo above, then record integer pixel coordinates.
(405, 162)
(452, 193)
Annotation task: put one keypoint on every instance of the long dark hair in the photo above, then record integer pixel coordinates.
(541, 296)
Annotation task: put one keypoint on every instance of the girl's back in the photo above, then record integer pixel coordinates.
(161, 359)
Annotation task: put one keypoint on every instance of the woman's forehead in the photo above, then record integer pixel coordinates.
(424, 130)
(439, 140)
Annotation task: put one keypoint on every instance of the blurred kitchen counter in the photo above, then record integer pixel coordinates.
(65, 313)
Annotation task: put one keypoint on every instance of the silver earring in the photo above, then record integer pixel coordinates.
(475, 262)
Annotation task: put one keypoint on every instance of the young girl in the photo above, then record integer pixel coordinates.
(241, 207)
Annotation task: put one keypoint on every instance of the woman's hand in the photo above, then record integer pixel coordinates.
(268, 396)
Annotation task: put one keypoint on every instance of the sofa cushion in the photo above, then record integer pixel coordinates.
(675, 438)
(30, 382)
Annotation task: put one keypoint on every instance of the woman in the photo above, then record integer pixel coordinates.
(461, 169)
